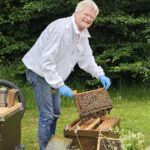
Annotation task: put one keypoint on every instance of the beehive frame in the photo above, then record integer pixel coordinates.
(93, 104)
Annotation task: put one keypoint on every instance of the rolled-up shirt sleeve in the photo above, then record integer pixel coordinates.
(48, 64)
(88, 64)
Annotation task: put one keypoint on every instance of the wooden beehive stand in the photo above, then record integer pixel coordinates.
(93, 131)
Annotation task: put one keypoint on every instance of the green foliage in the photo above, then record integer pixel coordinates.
(133, 141)
(120, 35)
(124, 44)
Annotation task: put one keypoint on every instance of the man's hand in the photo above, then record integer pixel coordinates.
(65, 91)
(105, 81)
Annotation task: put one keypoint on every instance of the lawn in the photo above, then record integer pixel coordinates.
(130, 104)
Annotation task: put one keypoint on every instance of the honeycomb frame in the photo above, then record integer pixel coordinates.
(93, 104)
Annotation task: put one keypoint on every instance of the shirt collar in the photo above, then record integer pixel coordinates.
(84, 33)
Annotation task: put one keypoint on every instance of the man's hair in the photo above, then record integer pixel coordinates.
(83, 4)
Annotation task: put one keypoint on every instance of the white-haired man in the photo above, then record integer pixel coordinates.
(62, 45)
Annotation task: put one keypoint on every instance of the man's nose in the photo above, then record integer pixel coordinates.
(89, 18)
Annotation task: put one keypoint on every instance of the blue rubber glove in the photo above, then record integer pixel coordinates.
(65, 91)
(105, 81)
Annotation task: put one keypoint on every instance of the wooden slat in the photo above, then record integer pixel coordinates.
(5, 111)
(107, 124)
(98, 142)
(68, 127)
(75, 126)
(93, 124)
(12, 97)
(86, 124)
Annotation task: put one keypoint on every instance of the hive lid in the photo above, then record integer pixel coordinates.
(93, 104)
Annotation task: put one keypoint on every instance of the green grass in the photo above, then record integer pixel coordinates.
(130, 104)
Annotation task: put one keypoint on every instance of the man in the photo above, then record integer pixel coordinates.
(62, 45)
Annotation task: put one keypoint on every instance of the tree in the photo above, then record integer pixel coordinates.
(120, 34)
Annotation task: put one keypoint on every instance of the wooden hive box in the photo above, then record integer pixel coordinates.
(10, 127)
(93, 131)
(94, 134)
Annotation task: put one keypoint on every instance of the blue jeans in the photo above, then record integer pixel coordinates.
(48, 104)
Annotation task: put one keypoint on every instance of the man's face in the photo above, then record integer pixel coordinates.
(85, 18)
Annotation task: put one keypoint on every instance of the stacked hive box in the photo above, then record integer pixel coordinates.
(10, 127)
(10, 120)
(93, 131)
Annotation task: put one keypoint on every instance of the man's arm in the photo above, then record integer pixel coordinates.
(48, 64)
(88, 64)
